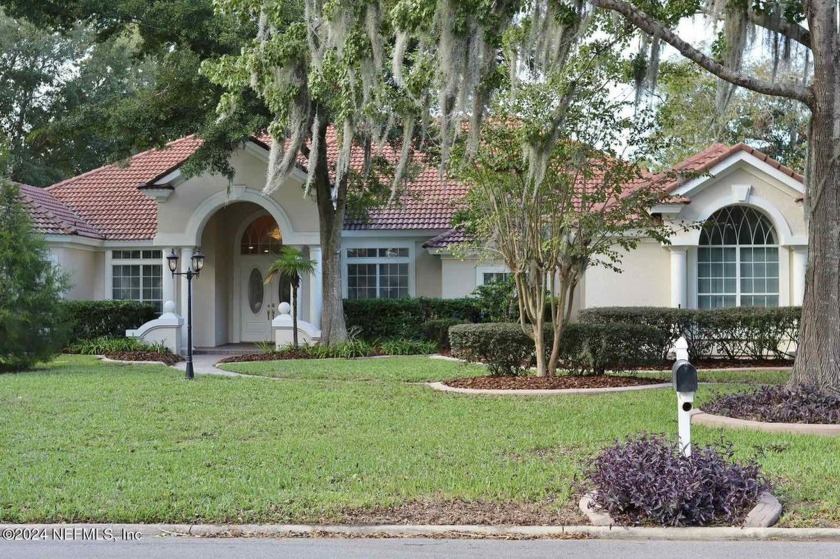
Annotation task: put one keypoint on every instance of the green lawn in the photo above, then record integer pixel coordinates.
(403, 369)
(81, 440)
(741, 377)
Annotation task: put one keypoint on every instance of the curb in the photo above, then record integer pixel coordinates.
(44, 531)
(538, 392)
(699, 417)
(124, 362)
(764, 514)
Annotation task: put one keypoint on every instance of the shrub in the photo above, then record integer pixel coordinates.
(497, 301)
(32, 326)
(106, 344)
(734, 333)
(504, 347)
(89, 320)
(404, 318)
(437, 331)
(779, 404)
(406, 347)
(595, 348)
(584, 348)
(648, 480)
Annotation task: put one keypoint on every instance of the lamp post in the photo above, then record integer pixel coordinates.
(192, 272)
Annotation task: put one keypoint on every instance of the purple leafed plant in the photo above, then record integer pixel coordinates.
(779, 404)
(647, 480)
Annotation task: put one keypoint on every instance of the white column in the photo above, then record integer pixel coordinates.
(798, 270)
(168, 281)
(185, 263)
(678, 276)
(316, 299)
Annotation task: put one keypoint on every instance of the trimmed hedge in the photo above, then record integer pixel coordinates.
(89, 320)
(733, 333)
(437, 331)
(404, 318)
(584, 348)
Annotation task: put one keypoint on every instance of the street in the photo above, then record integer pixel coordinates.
(312, 548)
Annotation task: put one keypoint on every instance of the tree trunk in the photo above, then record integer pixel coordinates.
(818, 352)
(331, 218)
(539, 343)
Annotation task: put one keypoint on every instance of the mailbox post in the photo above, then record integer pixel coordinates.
(685, 383)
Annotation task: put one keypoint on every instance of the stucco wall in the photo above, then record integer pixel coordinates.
(645, 280)
(80, 264)
(428, 272)
(457, 277)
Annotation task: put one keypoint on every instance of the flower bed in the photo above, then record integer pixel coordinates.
(549, 383)
(647, 480)
(778, 404)
(167, 358)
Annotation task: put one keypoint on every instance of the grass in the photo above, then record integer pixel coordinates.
(85, 441)
(402, 369)
(740, 377)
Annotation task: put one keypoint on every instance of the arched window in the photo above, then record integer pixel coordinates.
(737, 260)
(262, 236)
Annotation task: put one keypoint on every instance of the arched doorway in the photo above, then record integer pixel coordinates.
(257, 248)
(737, 260)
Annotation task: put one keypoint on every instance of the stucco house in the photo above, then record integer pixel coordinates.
(112, 228)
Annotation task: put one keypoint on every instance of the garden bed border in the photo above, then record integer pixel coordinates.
(699, 417)
(541, 391)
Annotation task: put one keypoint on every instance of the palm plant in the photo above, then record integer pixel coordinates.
(291, 265)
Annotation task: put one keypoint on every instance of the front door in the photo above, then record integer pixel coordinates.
(259, 302)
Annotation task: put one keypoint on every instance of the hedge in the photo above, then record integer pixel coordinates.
(584, 348)
(89, 320)
(733, 333)
(376, 319)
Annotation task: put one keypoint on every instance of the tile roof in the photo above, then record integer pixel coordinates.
(704, 161)
(452, 237)
(51, 217)
(109, 197)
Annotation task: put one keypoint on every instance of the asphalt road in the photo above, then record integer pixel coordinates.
(311, 548)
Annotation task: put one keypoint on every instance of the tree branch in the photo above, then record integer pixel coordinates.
(653, 27)
(792, 31)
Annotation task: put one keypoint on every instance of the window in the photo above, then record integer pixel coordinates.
(377, 273)
(737, 260)
(137, 276)
(491, 274)
(262, 236)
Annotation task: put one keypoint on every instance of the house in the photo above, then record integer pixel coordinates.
(112, 228)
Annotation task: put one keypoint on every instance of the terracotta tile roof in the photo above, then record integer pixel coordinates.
(445, 240)
(109, 197)
(703, 162)
(51, 217)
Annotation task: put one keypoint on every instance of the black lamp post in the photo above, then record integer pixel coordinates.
(192, 272)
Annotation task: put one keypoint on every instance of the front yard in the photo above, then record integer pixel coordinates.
(334, 440)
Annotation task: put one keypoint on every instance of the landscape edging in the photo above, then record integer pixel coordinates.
(541, 392)
(764, 514)
(699, 417)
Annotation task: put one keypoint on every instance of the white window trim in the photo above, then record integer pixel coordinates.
(738, 293)
(495, 269)
(378, 243)
(110, 262)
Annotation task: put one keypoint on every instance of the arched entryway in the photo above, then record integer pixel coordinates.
(737, 260)
(256, 248)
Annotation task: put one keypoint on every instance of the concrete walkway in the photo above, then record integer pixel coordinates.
(206, 365)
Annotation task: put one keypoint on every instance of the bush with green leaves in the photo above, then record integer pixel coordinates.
(404, 318)
(406, 347)
(437, 331)
(733, 333)
(584, 348)
(502, 346)
(89, 320)
(32, 324)
(497, 300)
(107, 344)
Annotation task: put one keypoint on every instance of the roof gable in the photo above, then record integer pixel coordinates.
(51, 217)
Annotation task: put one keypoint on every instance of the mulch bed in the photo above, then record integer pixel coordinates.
(456, 511)
(550, 383)
(277, 356)
(168, 358)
